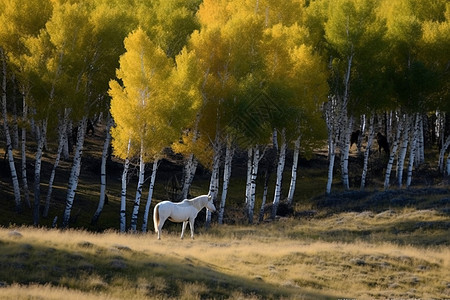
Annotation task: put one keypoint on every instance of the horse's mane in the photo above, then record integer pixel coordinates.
(194, 200)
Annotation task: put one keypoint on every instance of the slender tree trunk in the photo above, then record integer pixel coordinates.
(123, 193)
(75, 172)
(15, 124)
(392, 156)
(254, 175)
(137, 199)
(214, 182)
(367, 153)
(280, 169)
(345, 154)
(9, 151)
(264, 198)
(150, 195)
(190, 168)
(442, 154)
(61, 142)
(101, 202)
(249, 177)
(331, 158)
(226, 179)
(402, 152)
(37, 171)
(293, 183)
(421, 143)
(26, 191)
(412, 151)
(67, 143)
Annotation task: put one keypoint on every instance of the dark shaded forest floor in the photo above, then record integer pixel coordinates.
(430, 190)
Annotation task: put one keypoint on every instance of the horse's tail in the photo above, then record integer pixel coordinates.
(156, 217)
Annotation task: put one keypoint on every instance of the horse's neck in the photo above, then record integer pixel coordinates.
(199, 203)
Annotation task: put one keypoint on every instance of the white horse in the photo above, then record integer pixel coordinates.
(185, 211)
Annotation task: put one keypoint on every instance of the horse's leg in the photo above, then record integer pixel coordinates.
(160, 225)
(183, 228)
(191, 225)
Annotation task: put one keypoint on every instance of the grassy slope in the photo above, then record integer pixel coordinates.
(289, 258)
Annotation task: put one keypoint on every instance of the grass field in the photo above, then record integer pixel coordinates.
(345, 255)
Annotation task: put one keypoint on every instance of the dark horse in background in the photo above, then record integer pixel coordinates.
(383, 143)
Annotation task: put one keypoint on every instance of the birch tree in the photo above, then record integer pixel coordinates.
(147, 112)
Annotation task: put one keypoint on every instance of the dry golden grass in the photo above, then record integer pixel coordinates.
(247, 262)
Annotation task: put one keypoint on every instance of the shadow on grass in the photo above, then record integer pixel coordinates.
(94, 269)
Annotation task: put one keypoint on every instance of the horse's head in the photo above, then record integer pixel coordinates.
(210, 204)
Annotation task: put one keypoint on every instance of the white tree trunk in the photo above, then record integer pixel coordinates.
(362, 129)
(264, 197)
(367, 153)
(101, 202)
(345, 153)
(37, 171)
(190, 168)
(421, 143)
(412, 151)
(392, 156)
(249, 177)
(252, 188)
(150, 195)
(12, 166)
(123, 193)
(332, 156)
(226, 179)
(442, 154)
(402, 151)
(280, 169)
(293, 183)
(75, 171)
(214, 182)
(137, 200)
(66, 150)
(62, 140)
(26, 191)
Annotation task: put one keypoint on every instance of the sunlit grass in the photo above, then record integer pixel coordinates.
(344, 255)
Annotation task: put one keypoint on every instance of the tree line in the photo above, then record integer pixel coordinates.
(205, 78)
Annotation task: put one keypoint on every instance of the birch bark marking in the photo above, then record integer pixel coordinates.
(150, 195)
(137, 200)
(332, 156)
(403, 150)
(254, 175)
(12, 166)
(101, 202)
(75, 171)
(123, 193)
(37, 171)
(61, 141)
(280, 169)
(214, 181)
(26, 191)
(226, 179)
(345, 154)
(442, 154)
(190, 168)
(392, 156)
(290, 197)
(367, 153)
(412, 151)
(249, 177)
